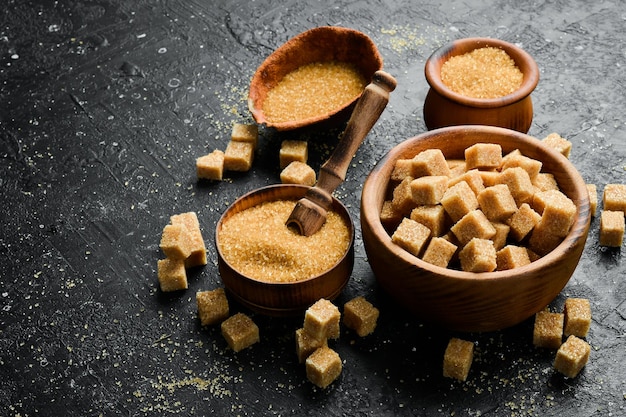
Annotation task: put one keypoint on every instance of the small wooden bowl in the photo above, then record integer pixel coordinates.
(283, 299)
(466, 301)
(444, 107)
(322, 44)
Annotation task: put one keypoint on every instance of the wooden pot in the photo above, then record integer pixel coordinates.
(444, 107)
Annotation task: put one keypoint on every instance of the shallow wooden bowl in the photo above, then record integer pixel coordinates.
(466, 301)
(283, 299)
(321, 44)
(444, 107)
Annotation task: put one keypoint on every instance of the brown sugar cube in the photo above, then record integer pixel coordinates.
(473, 178)
(175, 241)
(450, 237)
(519, 183)
(428, 190)
(511, 257)
(541, 199)
(490, 178)
(240, 331)
(402, 199)
(558, 143)
(172, 274)
(532, 255)
(245, 133)
(483, 156)
(389, 217)
(457, 167)
(522, 222)
(401, 169)
(457, 171)
(298, 173)
(439, 252)
(459, 200)
(572, 356)
(505, 158)
(197, 257)
(473, 224)
(530, 165)
(593, 198)
(293, 150)
(545, 181)
(557, 210)
(360, 315)
(306, 344)
(497, 203)
(479, 255)
(455, 163)
(611, 228)
(577, 313)
(212, 306)
(558, 214)
(548, 330)
(321, 320)
(429, 162)
(457, 359)
(433, 217)
(323, 366)
(238, 156)
(615, 197)
(502, 233)
(411, 236)
(542, 240)
(211, 166)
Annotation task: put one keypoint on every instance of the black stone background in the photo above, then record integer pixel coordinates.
(104, 107)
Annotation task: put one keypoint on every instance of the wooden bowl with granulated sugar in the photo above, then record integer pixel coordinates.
(446, 106)
(263, 292)
(314, 78)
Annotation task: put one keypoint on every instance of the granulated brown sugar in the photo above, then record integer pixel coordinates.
(313, 90)
(487, 72)
(257, 243)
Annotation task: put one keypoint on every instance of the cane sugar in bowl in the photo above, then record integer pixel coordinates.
(313, 79)
(313, 90)
(480, 81)
(271, 268)
(484, 73)
(257, 243)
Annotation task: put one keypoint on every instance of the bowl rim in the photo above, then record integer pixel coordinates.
(524, 61)
(268, 189)
(308, 36)
(370, 208)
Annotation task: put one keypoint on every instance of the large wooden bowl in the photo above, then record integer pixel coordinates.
(321, 44)
(283, 299)
(466, 301)
(444, 107)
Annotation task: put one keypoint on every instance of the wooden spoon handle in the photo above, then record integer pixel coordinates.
(368, 109)
(309, 214)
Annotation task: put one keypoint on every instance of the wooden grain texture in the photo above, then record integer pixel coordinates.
(467, 301)
(444, 107)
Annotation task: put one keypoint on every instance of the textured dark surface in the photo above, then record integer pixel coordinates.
(104, 107)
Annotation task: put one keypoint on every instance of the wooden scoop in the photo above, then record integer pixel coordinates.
(309, 214)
